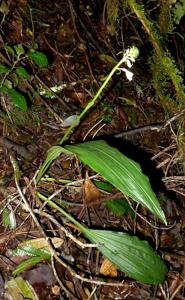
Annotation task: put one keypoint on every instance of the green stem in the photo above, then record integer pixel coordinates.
(62, 211)
(92, 102)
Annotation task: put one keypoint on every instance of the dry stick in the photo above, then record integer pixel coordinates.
(68, 293)
(50, 247)
(149, 223)
(62, 228)
(157, 127)
(28, 208)
(82, 228)
(73, 16)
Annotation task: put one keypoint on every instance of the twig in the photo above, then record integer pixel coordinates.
(67, 233)
(67, 292)
(156, 127)
(177, 289)
(139, 130)
(27, 206)
(91, 129)
(73, 16)
(149, 223)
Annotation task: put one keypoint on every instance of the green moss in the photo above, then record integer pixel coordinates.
(21, 118)
(112, 10)
(167, 79)
(165, 19)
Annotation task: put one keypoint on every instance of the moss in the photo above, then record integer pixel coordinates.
(165, 20)
(21, 118)
(167, 79)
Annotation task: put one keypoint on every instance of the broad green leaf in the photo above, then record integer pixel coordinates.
(4, 69)
(103, 185)
(22, 72)
(18, 99)
(122, 172)
(53, 153)
(31, 262)
(8, 218)
(5, 217)
(7, 84)
(19, 289)
(3, 89)
(9, 49)
(131, 255)
(39, 58)
(19, 50)
(119, 207)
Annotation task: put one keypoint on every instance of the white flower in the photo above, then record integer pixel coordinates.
(128, 73)
(129, 64)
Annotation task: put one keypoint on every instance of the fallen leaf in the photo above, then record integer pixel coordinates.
(92, 193)
(108, 269)
(19, 289)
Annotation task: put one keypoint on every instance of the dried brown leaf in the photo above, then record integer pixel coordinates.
(108, 269)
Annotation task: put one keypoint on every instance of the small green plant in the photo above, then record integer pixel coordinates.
(14, 72)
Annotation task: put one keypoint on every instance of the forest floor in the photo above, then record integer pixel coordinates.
(81, 51)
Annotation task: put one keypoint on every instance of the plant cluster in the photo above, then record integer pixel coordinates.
(14, 71)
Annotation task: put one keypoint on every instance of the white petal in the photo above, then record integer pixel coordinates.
(128, 74)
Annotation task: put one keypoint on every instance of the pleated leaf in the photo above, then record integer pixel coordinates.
(125, 174)
(53, 153)
(18, 98)
(132, 256)
(39, 58)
